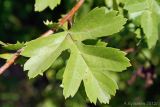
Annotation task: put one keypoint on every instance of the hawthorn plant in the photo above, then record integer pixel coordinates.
(88, 64)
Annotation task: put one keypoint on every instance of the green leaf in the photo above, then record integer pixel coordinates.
(43, 52)
(16, 46)
(135, 7)
(2, 43)
(40, 5)
(101, 43)
(149, 12)
(97, 23)
(150, 27)
(77, 101)
(8, 46)
(86, 63)
(109, 3)
(116, 63)
(6, 56)
(60, 73)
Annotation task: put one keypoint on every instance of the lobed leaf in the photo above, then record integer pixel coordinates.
(87, 64)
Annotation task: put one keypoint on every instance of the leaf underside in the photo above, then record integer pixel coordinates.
(87, 63)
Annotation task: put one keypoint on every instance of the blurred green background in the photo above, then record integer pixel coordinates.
(19, 22)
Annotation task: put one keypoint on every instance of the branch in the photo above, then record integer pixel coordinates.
(71, 13)
(49, 32)
(10, 62)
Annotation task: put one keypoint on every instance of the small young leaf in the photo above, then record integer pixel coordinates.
(16, 46)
